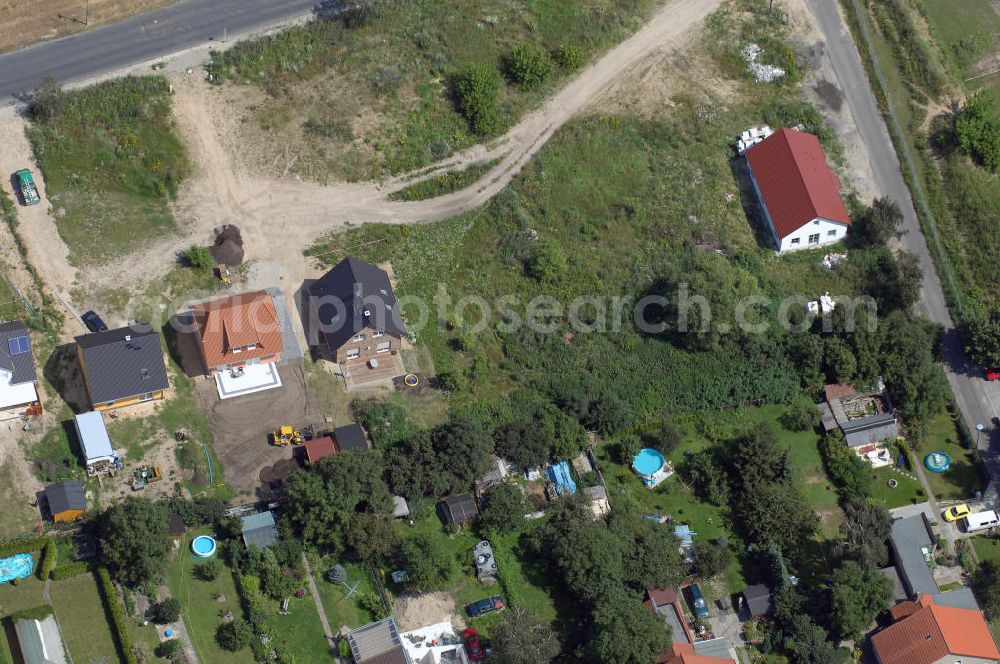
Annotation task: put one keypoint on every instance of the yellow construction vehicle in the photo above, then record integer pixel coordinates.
(222, 272)
(287, 435)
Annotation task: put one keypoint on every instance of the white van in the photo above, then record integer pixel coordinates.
(981, 521)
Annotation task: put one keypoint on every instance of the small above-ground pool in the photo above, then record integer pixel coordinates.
(203, 546)
(937, 462)
(647, 463)
(16, 567)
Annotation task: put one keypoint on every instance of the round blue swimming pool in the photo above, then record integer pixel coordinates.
(203, 546)
(647, 462)
(937, 462)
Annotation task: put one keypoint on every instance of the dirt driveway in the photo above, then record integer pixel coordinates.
(241, 425)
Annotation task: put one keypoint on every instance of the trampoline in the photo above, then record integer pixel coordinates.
(937, 462)
(16, 567)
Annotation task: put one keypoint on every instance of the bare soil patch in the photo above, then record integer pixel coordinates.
(415, 611)
(240, 426)
(24, 22)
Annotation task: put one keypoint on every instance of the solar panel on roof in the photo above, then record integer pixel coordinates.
(18, 345)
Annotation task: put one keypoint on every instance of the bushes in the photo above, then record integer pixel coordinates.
(22, 545)
(48, 560)
(167, 611)
(114, 607)
(977, 129)
(529, 65)
(234, 636)
(208, 570)
(70, 570)
(569, 57)
(478, 91)
(199, 257)
(168, 649)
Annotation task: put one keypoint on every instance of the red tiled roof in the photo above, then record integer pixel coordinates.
(837, 391)
(795, 181)
(931, 632)
(903, 609)
(683, 653)
(238, 322)
(319, 448)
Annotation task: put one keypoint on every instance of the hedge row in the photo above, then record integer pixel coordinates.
(35, 613)
(500, 556)
(69, 570)
(47, 561)
(117, 615)
(22, 545)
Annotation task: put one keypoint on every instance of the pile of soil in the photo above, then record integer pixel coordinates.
(228, 247)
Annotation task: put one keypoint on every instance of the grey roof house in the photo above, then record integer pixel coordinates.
(755, 600)
(351, 438)
(18, 389)
(913, 544)
(458, 510)
(378, 643)
(40, 641)
(66, 500)
(351, 298)
(123, 366)
(866, 418)
(259, 530)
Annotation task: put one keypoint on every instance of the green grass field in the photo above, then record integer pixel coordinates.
(82, 619)
(341, 610)
(360, 97)
(111, 160)
(963, 479)
(907, 491)
(201, 605)
(301, 631)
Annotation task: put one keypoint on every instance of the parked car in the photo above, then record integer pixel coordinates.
(698, 603)
(473, 648)
(957, 512)
(486, 605)
(93, 322)
(992, 374)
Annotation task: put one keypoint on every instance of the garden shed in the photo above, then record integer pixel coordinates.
(458, 510)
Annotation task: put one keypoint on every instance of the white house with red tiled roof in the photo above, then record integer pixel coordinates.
(798, 193)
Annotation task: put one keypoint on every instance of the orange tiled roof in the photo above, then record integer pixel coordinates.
(683, 653)
(931, 632)
(240, 321)
(319, 448)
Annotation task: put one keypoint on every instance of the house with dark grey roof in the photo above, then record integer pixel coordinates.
(351, 438)
(755, 601)
(458, 510)
(354, 312)
(18, 383)
(66, 501)
(865, 417)
(122, 367)
(378, 643)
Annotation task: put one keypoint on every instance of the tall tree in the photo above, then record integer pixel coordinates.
(985, 584)
(755, 458)
(463, 446)
(504, 507)
(778, 513)
(626, 632)
(520, 638)
(429, 562)
(859, 594)
(880, 223)
(371, 536)
(865, 528)
(650, 556)
(133, 538)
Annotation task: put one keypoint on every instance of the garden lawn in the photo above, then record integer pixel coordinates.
(340, 610)
(907, 492)
(987, 548)
(83, 620)
(301, 631)
(962, 480)
(111, 159)
(199, 606)
(26, 595)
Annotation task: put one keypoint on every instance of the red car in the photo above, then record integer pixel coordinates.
(472, 646)
(993, 374)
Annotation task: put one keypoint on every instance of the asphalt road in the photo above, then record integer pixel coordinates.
(143, 37)
(978, 400)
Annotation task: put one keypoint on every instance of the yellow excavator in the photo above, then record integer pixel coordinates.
(287, 435)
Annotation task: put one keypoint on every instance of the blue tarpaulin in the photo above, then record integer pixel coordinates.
(559, 474)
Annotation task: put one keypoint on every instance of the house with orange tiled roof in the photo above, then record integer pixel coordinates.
(240, 342)
(237, 331)
(926, 632)
(684, 649)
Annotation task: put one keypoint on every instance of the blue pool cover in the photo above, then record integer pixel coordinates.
(16, 567)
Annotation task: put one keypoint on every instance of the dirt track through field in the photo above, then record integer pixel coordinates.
(279, 217)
